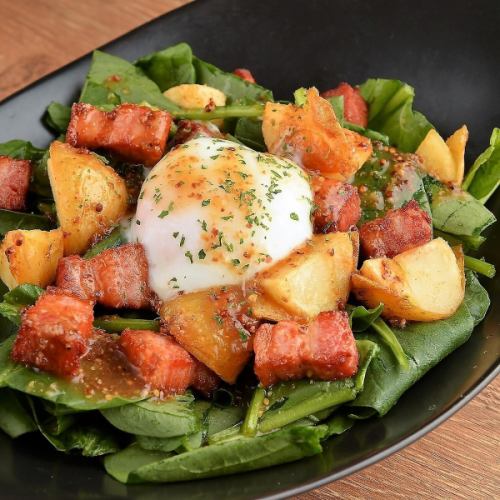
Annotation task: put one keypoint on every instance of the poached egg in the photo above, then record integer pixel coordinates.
(213, 213)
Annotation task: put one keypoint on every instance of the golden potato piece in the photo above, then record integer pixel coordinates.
(444, 160)
(90, 196)
(206, 324)
(314, 278)
(266, 309)
(312, 136)
(30, 257)
(425, 283)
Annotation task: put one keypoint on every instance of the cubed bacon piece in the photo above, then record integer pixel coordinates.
(14, 182)
(134, 133)
(116, 278)
(338, 206)
(398, 231)
(355, 107)
(192, 129)
(324, 350)
(54, 334)
(244, 74)
(164, 364)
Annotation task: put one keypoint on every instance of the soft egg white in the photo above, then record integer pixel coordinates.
(214, 213)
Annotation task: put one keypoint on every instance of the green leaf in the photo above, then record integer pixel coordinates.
(57, 117)
(235, 88)
(426, 344)
(248, 131)
(134, 465)
(116, 324)
(112, 80)
(15, 420)
(367, 351)
(361, 318)
(391, 113)
(9, 221)
(17, 299)
(468, 242)
(162, 419)
(483, 177)
(338, 424)
(455, 211)
(337, 103)
(387, 335)
(51, 388)
(21, 150)
(169, 67)
(367, 132)
(113, 240)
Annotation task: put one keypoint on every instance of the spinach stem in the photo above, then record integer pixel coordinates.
(249, 427)
(380, 326)
(234, 111)
(479, 266)
(116, 324)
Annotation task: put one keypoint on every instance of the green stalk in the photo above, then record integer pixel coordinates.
(391, 340)
(472, 242)
(114, 239)
(235, 111)
(116, 324)
(279, 418)
(479, 266)
(249, 427)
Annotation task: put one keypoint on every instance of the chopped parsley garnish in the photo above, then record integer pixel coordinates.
(189, 255)
(204, 203)
(201, 254)
(294, 216)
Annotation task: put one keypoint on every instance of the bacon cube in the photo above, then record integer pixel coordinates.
(338, 206)
(14, 182)
(54, 334)
(135, 133)
(325, 350)
(116, 278)
(355, 107)
(399, 230)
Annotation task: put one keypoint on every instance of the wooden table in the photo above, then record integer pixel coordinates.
(460, 459)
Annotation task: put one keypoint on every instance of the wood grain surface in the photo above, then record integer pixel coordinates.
(460, 459)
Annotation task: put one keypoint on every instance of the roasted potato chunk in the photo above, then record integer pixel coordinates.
(444, 160)
(312, 136)
(30, 257)
(208, 325)
(90, 196)
(313, 279)
(425, 283)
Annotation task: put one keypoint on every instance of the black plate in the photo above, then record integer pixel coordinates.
(448, 50)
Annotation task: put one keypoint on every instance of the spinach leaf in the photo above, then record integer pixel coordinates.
(338, 424)
(169, 67)
(361, 318)
(15, 420)
(483, 177)
(17, 299)
(21, 150)
(112, 80)
(468, 242)
(160, 444)
(57, 117)
(455, 211)
(390, 339)
(367, 351)
(337, 103)
(113, 240)
(116, 324)
(391, 113)
(235, 88)
(249, 132)
(367, 132)
(46, 386)
(40, 182)
(134, 465)
(10, 220)
(426, 344)
(162, 419)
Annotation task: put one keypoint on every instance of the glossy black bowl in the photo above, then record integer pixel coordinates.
(448, 50)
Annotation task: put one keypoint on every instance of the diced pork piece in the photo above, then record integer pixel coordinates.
(116, 278)
(192, 129)
(54, 334)
(398, 231)
(164, 364)
(324, 350)
(244, 74)
(14, 182)
(338, 206)
(137, 134)
(355, 107)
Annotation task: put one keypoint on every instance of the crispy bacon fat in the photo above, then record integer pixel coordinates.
(117, 277)
(54, 334)
(338, 206)
(399, 230)
(137, 134)
(325, 350)
(164, 364)
(14, 182)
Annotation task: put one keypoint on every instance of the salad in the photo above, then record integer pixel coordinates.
(199, 280)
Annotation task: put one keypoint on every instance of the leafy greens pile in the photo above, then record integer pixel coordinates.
(190, 438)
